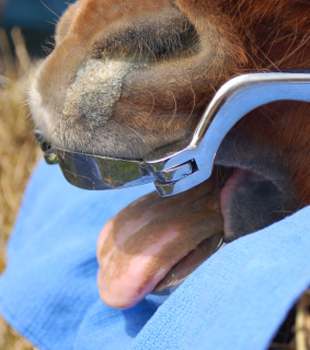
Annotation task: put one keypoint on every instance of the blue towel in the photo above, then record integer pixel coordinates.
(236, 300)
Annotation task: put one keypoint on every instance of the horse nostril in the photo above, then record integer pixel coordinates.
(150, 42)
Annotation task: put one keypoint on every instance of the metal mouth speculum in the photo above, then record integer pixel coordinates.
(182, 170)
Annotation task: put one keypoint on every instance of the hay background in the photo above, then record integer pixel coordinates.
(18, 152)
(18, 155)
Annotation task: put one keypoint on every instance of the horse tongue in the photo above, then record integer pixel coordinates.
(139, 246)
(190, 262)
(124, 280)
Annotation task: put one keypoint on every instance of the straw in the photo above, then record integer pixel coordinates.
(18, 151)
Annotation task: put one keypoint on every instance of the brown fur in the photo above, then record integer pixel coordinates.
(178, 53)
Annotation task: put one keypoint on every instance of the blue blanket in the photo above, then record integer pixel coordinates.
(235, 300)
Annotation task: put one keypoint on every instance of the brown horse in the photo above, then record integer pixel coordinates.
(129, 77)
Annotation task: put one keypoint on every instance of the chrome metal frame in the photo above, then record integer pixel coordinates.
(182, 170)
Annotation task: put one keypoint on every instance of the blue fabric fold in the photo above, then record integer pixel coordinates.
(236, 300)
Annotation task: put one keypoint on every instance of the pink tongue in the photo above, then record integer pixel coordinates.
(140, 245)
(125, 279)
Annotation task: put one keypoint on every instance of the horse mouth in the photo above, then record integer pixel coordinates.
(224, 186)
(156, 249)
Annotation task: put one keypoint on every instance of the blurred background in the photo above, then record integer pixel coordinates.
(26, 35)
(37, 18)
